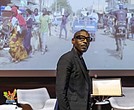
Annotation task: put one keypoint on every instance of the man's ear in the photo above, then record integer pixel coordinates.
(73, 41)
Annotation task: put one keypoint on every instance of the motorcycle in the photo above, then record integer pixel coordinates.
(4, 35)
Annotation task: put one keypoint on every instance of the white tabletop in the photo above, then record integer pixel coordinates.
(10, 107)
(102, 103)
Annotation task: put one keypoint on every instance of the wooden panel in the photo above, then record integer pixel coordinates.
(52, 73)
(111, 73)
(27, 73)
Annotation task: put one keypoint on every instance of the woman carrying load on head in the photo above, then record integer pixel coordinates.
(19, 29)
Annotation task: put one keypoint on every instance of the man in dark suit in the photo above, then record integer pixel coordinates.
(73, 85)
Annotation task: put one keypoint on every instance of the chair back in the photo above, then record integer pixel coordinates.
(36, 98)
(126, 102)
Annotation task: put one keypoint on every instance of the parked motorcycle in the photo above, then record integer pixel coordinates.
(4, 35)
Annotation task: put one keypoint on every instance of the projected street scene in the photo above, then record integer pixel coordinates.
(109, 22)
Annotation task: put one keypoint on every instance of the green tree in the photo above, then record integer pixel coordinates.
(58, 5)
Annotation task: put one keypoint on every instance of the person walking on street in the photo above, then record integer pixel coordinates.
(44, 29)
(73, 84)
(50, 23)
(27, 39)
(17, 35)
(120, 21)
(36, 16)
(63, 25)
(132, 25)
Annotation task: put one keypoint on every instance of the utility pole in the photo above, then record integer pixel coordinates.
(40, 2)
(55, 5)
(98, 5)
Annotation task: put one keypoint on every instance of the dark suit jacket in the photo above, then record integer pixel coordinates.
(72, 83)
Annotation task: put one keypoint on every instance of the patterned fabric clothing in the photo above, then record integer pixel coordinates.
(17, 50)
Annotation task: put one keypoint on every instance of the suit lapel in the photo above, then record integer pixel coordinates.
(84, 71)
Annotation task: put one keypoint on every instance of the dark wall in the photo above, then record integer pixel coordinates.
(10, 83)
(52, 73)
(10, 80)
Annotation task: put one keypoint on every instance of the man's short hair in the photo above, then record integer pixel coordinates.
(77, 33)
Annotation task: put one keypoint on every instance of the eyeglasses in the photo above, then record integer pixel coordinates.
(82, 38)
